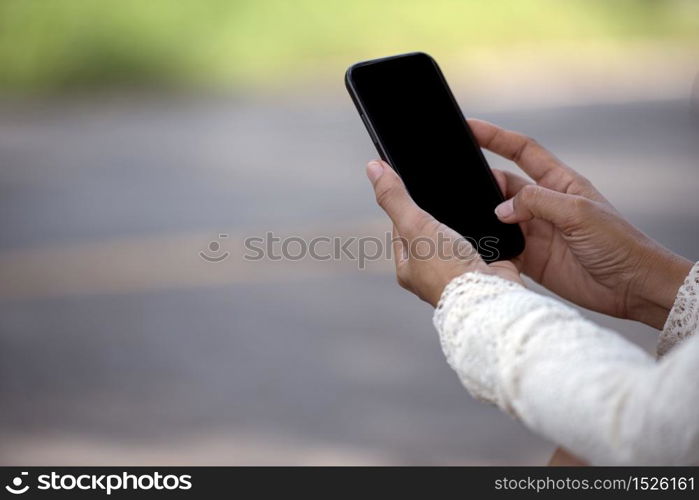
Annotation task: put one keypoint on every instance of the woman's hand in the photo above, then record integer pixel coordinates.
(577, 244)
(427, 254)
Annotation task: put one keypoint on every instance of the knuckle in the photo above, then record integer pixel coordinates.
(581, 208)
(585, 187)
(570, 181)
(526, 142)
(385, 193)
(423, 222)
(530, 141)
(580, 178)
(566, 179)
(581, 205)
(529, 194)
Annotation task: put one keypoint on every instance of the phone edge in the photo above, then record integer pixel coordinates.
(521, 241)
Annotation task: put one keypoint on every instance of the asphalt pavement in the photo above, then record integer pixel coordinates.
(120, 344)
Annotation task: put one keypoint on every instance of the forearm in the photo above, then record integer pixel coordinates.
(572, 381)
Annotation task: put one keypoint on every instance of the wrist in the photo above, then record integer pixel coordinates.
(653, 291)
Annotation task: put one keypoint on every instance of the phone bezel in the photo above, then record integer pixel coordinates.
(376, 139)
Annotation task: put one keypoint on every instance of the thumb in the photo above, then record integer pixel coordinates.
(533, 201)
(393, 197)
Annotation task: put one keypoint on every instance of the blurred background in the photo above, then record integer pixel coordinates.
(134, 134)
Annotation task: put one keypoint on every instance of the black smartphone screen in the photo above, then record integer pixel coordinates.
(419, 130)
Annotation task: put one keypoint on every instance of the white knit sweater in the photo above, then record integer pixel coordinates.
(580, 385)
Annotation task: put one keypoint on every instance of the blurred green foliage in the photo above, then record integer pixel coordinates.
(60, 44)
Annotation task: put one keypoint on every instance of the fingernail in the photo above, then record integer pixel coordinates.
(374, 170)
(505, 209)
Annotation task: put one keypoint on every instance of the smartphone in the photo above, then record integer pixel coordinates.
(419, 129)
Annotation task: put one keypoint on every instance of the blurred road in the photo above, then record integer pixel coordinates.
(119, 344)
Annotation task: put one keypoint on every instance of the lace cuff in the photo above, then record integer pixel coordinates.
(491, 328)
(466, 321)
(683, 319)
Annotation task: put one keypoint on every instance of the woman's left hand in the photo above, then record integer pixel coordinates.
(427, 254)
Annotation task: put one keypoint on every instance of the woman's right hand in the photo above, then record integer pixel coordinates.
(577, 244)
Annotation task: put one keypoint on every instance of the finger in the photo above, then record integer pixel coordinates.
(539, 163)
(501, 180)
(392, 196)
(400, 254)
(532, 201)
(509, 183)
(400, 257)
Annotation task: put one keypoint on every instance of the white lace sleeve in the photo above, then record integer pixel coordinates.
(576, 383)
(683, 319)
